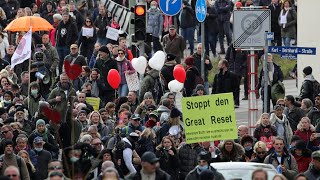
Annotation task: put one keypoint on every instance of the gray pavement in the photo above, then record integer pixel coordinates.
(242, 112)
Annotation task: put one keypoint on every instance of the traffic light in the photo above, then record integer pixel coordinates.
(140, 22)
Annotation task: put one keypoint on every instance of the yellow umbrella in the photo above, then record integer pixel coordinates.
(24, 24)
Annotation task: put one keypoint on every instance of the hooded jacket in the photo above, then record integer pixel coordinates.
(166, 72)
(306, 90)
(235, 155)
(155, 22)
(61, 106)
(276, 121)
(148, 82)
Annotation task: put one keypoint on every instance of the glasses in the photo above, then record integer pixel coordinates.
(5, 132)
(55, 168)
(262, 152)
(88, 21)
(281, 105)
(12, 175)
(120, 53)
(97, 144)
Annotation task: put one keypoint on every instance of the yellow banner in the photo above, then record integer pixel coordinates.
(94, 102)
(208, 118)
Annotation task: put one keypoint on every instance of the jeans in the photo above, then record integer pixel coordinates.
(224, 29)
(286, 41)
(102, 41)
(123, 90)
(63, 51)
(188, 35)
(210, 40)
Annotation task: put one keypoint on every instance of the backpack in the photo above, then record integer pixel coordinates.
(119, 146)
(315, 89)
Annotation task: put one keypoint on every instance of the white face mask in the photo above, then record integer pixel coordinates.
(153, 7)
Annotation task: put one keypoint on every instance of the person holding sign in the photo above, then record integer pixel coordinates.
(87, 38)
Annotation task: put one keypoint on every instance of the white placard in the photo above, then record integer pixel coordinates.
(112, 33)
(88, 32)
(283, 19)
(132, 81)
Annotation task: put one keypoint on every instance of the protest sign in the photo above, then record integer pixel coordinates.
(94, 102)
(208, 118)
(112, 33)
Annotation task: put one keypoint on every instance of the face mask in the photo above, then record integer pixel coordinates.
(202, 168)
(38, 149)
(248, 148)
(153, 7)
(120, 58)
(7, 101)
(74, 159)
(34, 92)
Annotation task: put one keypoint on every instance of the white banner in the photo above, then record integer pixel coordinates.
(23, 50)
(87, 32)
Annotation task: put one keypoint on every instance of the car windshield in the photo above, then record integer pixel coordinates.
(240, 174)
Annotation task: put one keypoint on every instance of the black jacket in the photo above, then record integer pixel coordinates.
(167, 72)
(193, 175)
(101, 23)
(160, 175)
(211, 21)
(275, 12)
(188, 158)
(168, 163)
(207, 67)
(190, 84)
(224, 83)
(306, 90)
(66, 33)
(223, 8)
(238, 63)
(105, 66)
(188, 18)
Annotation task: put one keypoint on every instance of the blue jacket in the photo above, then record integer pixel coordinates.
(155, 22)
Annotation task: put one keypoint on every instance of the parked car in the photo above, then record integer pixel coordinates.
(242, 170)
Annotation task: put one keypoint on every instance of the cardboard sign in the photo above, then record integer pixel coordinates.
(208, 118)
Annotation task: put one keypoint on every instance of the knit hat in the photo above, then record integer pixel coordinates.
(37, 140)
(174, 113)
(307, 70)
(246, 138)
(301, 144)
(82, 111)
(19, 109)
(199, 87)
(204, 155)
(171, 57)
(154, 114)
(189, 61)
(40, 121)
(104, 49)
(147, 95)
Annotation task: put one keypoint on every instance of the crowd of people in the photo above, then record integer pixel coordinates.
(50, 131)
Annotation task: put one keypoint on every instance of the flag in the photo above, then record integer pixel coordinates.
(23, 50)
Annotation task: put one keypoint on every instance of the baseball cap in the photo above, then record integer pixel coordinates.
(37, 140)
(316, 155)
(135, 116)
(73, 46)
(149, 157)
(172, 27)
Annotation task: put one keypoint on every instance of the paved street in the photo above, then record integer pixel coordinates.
(242, 111)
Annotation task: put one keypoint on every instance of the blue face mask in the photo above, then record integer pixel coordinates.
(74, 159)
(38, 149)
(202, 168)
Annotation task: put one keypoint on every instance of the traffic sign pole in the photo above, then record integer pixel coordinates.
(203, 58)
(265, 75)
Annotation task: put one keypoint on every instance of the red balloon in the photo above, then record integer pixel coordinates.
(179, 74)
(178, 65)
(114, 78)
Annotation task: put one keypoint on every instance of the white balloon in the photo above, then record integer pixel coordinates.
(139, 64)
(157, 60)
(175, 86)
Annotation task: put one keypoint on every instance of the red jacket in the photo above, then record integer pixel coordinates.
(305, 135)
(303, 163)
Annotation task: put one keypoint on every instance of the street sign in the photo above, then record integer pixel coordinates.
(289, 56)
(201, 10)
(270, 36)
(250, 26)
(292, 50)
(170, 7)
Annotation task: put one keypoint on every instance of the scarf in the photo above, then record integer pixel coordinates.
(44, 135)
(283, 17)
